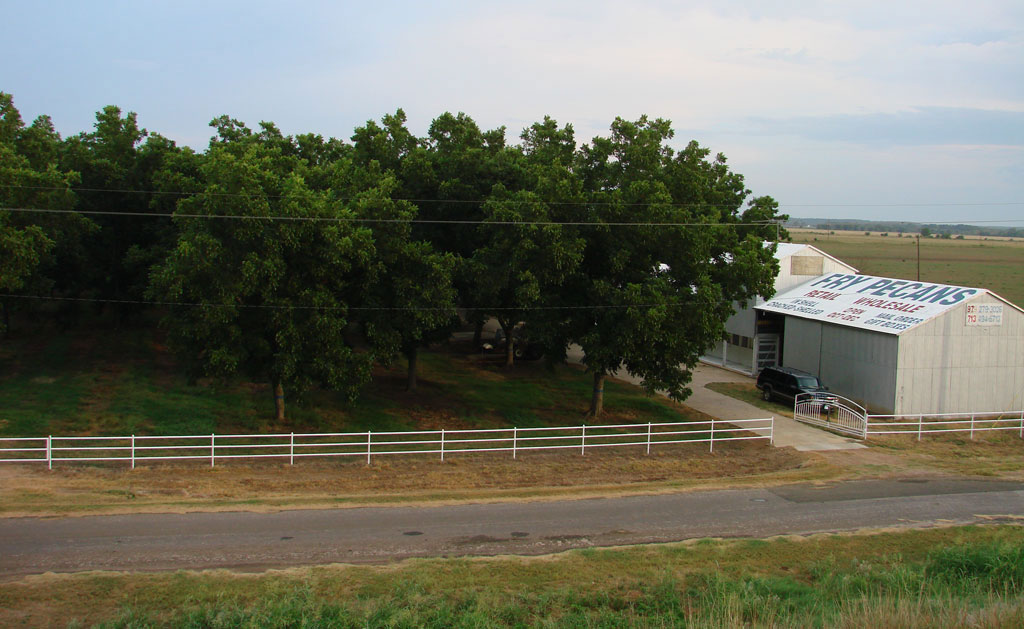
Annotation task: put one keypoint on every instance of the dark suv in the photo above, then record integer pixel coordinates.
(785, 384)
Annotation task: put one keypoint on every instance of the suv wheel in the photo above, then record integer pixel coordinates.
(766, 394)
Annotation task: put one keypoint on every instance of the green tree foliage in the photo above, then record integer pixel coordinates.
(276, 294)
(624, 246)
(411, 302)
(30, 180)
(121, 165)
(463, 164)
(656, 294)
(413, 298)
(521, 261)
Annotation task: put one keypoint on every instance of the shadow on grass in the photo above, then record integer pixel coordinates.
(103, 381)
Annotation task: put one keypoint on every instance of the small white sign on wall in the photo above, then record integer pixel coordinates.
(984, 314)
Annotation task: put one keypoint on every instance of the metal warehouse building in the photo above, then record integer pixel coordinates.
(747, 348)
(900, 346)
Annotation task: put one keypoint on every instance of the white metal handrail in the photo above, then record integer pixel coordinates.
(140, 448)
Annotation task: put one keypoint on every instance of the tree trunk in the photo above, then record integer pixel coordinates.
(412, 355)
(278, 400)
(597, 399)
(478, 333)
(510, 343)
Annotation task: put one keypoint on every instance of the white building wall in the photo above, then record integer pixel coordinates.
(794, 272)
(947, 366)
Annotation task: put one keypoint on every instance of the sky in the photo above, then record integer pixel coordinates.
(907, 110)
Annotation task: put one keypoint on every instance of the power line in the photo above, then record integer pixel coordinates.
(140, 302)
(968, 221)
(262, 195)
(339, 219)
(183, 193)
(424, 221)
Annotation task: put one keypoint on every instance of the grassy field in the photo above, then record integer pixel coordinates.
(749, 393)
(81, 384)
(121, 382)
(967, 576)
(997, 265)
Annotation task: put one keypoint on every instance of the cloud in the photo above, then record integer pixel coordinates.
(922, 126)
(811, 100)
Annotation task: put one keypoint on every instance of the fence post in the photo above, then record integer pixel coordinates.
(648, 437)
(583, 440)
(442, 445)
(368, 433)
(291, 450)
(771, 433)
(515, 434)
(49, 452)
(213, 448)
(133, 452)
(712, 434)
(972, 425)
(919, 420)
(1022, 424)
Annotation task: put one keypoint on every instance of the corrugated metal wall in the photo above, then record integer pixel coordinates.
(947, 366)
(791, 273)
(801, 345)
(857, 364)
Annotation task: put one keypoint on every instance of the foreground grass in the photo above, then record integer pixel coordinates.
(966, 576)
(997, 265)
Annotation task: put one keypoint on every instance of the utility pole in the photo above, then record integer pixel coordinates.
(919, 257)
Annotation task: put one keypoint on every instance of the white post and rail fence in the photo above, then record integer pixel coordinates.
(842, 415)
(926, 424)
(136, 449)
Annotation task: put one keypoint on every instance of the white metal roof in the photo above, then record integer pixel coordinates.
(786, 249)
(869, 302)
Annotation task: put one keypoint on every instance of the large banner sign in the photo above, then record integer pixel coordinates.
(872, 303)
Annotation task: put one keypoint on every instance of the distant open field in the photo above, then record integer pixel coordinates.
(997, 265)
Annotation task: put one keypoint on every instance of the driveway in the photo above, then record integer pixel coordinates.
(788, 432)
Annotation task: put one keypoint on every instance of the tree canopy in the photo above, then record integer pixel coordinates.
(303, 261)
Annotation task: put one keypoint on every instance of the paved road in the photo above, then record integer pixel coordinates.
(255, 541)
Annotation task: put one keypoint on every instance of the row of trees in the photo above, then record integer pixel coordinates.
(302, 261)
